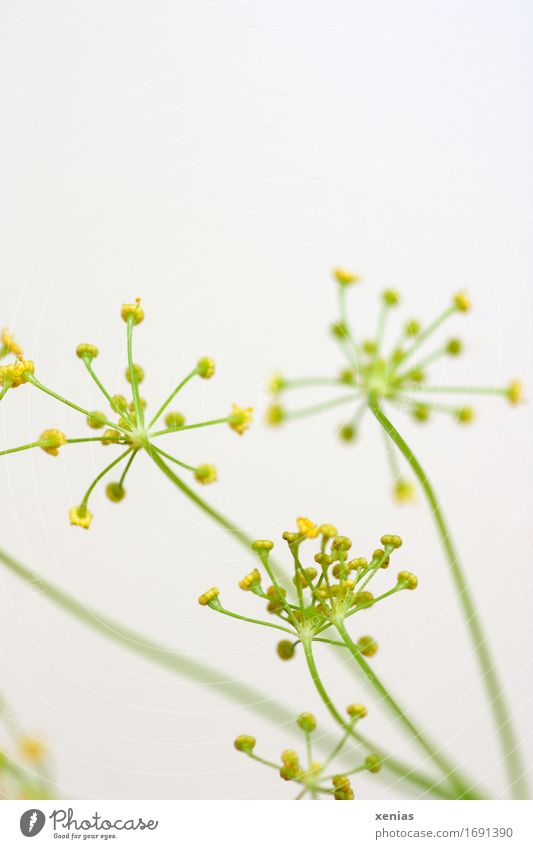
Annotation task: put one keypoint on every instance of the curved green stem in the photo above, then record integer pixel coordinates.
(45, 389)
(392, 764)
(462, 787)
(508, 741)
(172, 395)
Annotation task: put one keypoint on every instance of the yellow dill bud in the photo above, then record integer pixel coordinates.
(205, 367)
(52, 440)
(391, 541)
(9, 343)
(305, 579)
(347, 433)
(291, 536)
(515, 392)
(412, 327)
(404, 491)
(244, 743)
(356, 564)
(206, 473)
(132, 312)
(367, 646)
(120, 403)
(372, 763)
(110, 437)
(275, 383)
(274, 415)
(408, 580)
(345, 277)
(364, 598)
(417, 375)
(307, 528)
(453, 347)
(289, 773)
(462, 301)
(87, 351)
(262, 545)
(328, 531)
(464, 415)
(17, 373)
(343, 789)
(421, 412)
(341, 543)
(209, 596)
(142, 403)
(138, 373)
(95, 419)
(80, 516)
(240, 418)
(115, 492)
(307, 722)
(32, 748)
(391, 297)
(290, 758)
(339, 330)
(285, 649)
(356, 710)
(252, 579)
(369, 346)
(173, 419)
(346, 376)
(323, 559)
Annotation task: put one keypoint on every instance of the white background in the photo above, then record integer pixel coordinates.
(217, 159)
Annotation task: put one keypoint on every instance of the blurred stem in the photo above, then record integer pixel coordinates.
(497, 702)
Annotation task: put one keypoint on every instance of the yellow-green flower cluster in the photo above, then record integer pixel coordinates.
(396, 374)
(314, 778)
(328, 592)
(126, 425)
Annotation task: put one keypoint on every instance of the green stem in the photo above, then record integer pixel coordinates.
(254, 621)
(127, 467)
(171, 397)
(462, 788)
(392, 764)
(421, 338)
(173, 459)
(320, 408)
(508, 741)
(99, 477)
(43, 388)
(139, 412)
(461, 390)
(37, 444)
(225, 420)
(87, 361)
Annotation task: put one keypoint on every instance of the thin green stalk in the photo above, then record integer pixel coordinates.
(461, 390)
(101, 474)
(43, 388)
(461, 786)
(392, 764)
(127, 467)
(173, 459)
(320, 408)
(172, 395)
(224, 420)
(20, 448)
(139, 412)
(421, 338)
(254, 621)
(497, 702)
(87, 361)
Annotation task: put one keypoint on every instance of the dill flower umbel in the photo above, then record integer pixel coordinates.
(127, 424)
(395, 375)
(315, 779)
